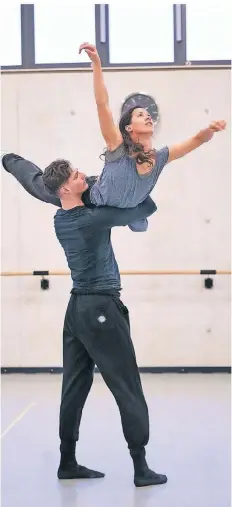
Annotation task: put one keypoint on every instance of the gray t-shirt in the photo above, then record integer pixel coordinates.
(120, 185)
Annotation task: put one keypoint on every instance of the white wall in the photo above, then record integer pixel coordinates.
(175, 321)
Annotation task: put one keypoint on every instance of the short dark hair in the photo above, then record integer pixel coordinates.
(56, 174)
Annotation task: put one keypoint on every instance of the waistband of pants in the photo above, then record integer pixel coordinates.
(92, 292)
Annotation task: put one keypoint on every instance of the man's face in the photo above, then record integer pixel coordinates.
(76, 184)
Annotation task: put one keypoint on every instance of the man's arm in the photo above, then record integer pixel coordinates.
(30, 177)
(108, 217)
(182, 149)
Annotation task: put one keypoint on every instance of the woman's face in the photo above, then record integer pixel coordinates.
(141, 122)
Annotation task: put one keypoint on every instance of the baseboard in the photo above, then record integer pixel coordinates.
(142, 369)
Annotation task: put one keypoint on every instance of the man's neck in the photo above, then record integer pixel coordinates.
(71, 202)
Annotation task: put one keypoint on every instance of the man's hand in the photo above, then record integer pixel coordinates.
(91, 51)
(206, 135)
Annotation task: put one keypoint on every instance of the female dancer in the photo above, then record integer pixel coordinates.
(132, 166)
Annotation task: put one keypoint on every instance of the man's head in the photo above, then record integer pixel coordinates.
(61, 179)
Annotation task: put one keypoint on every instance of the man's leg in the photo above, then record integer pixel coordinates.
(105, 332)
(78, 368)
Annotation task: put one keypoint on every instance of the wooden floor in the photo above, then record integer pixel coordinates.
(190, 442)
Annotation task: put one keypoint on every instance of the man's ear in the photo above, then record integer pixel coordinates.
(63, 191)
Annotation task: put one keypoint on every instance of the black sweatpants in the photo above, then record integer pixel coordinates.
(97, 331)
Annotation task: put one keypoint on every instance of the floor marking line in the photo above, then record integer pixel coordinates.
(17, 419)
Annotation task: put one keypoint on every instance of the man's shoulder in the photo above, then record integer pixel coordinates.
(72, 212)
(82, 215)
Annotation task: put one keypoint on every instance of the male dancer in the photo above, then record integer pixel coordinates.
(96, 328)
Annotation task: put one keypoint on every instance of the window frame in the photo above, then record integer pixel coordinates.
(178, 47)
(102, 44)
(204, 62)
(6, 67)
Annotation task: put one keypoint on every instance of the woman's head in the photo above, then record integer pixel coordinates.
(136, 126)
(137, 123)
(61, 179)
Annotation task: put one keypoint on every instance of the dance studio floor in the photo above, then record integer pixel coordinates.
(190, 442)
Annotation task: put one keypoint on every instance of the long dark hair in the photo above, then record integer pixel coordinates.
(131, 148)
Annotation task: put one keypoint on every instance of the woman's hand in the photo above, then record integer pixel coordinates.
(206, 135)
(91, 51)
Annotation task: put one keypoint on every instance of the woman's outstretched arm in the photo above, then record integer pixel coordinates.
(109, 130)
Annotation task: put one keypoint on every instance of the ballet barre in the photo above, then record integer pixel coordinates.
(44, 283)
(124, 273)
